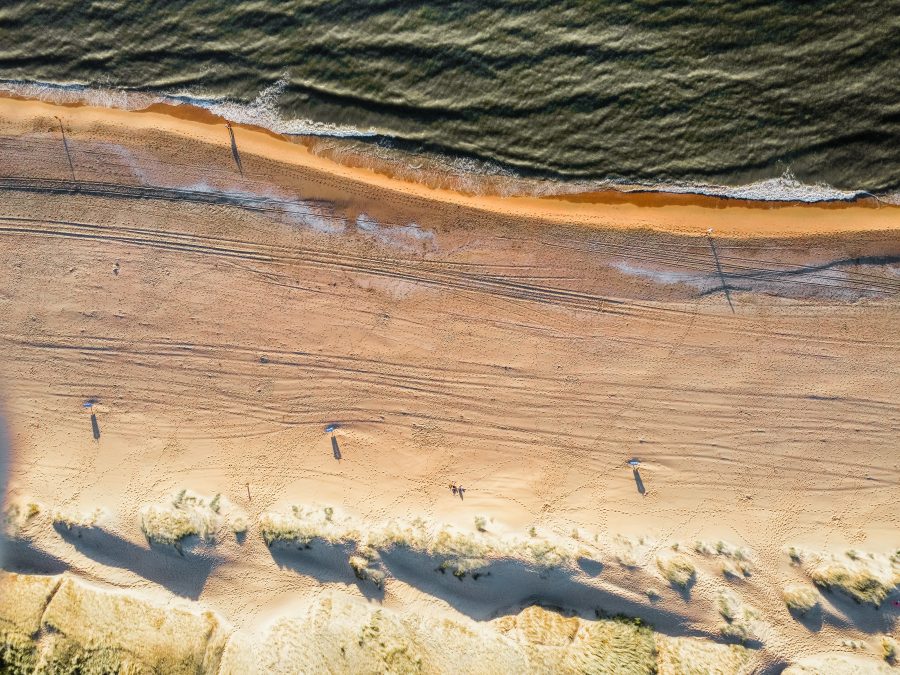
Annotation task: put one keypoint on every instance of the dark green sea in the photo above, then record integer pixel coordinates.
(648, 92)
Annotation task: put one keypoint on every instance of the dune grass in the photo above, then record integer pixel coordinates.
(92, 630)
(890, 649)
(694, 656)
(461, 553)
(740, 620)
(676, 569)
(867, 580)
(17, 515)
(556, 643)
(734, 561)
(23, 599)
(72, 519)
(188, 514)
(800, 598)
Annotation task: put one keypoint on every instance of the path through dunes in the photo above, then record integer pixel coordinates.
(222, 322)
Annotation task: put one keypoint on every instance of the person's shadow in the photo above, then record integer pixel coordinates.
(95, 427)
(335, 449)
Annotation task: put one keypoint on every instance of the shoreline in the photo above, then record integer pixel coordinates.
(684, 214)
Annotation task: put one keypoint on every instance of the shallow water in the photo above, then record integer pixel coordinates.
(652, 92)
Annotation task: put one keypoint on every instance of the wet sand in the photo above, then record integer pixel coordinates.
(692, 215)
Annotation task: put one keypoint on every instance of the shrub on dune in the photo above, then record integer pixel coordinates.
(800, 598)
(303, 526)
(186, 515)
(677, 570)
(861, 583)
(18, 515)
(363, 570)
(165, 525)
(70, 519)
(239, 525)
(735, 560)
(741, 622)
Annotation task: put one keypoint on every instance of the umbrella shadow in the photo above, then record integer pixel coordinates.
(638, 481)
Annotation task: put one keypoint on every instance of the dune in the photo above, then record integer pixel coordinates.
(23, 600)
(189, 515)
(19, 514)
(343, 636)
(54, 624)
(864, 577)
(112, 631)
(800, 598)
(836, 664)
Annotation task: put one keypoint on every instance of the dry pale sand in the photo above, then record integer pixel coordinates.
(523, 348)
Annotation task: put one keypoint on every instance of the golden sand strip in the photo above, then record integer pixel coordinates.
(680, 214)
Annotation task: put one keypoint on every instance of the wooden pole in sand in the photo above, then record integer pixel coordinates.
(248, 492)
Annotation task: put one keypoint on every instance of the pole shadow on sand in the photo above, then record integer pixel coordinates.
(95, 427)
(234, 150)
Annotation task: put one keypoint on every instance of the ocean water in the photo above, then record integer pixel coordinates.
(794, 99)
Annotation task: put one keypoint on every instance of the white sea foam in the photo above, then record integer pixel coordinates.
(263, 111)
(459, 172)
(403, 236)
(667, 277)
(785, 188)
(100, 96)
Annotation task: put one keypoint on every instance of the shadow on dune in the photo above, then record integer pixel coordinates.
(510, 584)
(327, 563)
(590, 567)
(842, 612)
(486, 592)
(20, 555)
(184, 575)
(812, 620)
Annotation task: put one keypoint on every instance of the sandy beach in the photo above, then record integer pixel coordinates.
(219, 304)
